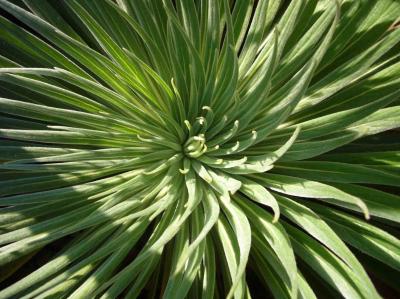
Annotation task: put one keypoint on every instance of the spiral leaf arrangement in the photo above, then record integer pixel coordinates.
(172, 147)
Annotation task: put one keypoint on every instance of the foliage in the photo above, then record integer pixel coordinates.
(174, 147)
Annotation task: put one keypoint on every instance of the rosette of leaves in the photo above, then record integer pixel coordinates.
(199, 149)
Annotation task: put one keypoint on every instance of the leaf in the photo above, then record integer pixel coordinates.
(264, 162)
(365, 237)
(380, 204)
(242, 230)
(329, 267)
(337, 172)
(281, 253)
(261, 195)
(310, 189)
(317, 228)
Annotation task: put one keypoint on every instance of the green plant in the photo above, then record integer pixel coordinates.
(177, 146)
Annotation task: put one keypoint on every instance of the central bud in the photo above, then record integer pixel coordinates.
(195, 146)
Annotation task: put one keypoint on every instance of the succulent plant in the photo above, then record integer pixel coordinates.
(199, 149)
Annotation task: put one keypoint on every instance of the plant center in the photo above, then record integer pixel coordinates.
(195, 146)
